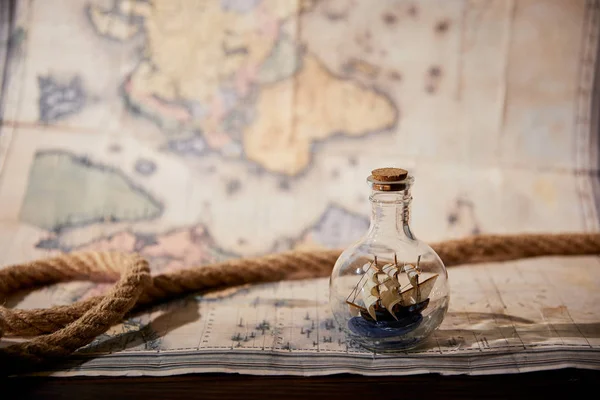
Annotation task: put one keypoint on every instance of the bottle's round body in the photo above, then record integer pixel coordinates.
(389, 291)
(414, 317)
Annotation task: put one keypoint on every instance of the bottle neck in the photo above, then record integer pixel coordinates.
(390, 215)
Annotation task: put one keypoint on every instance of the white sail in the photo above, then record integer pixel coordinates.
(418, 293)
(370, 293)
(389, 284)
(370, 287)
(388, 292)
(412, 273)
(371, 272)
(370, 302)
(390, 270)
(381, 278)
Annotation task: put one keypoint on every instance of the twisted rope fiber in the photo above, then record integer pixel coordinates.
(61, 330)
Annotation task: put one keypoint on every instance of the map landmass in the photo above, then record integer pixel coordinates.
(80, 192)
(243, 66)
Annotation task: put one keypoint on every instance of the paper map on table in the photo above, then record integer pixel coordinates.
(504, 318)
(193, 132)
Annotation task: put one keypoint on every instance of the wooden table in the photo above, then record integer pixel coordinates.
(563, 383)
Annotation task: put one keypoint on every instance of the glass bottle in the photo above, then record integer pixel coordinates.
(389, 290)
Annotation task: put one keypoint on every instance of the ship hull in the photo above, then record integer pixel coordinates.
(386, 326)
(384, 329)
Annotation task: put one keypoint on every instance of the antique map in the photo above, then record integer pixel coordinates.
(196, 131)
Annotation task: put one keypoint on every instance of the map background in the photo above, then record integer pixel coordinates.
(486, 103)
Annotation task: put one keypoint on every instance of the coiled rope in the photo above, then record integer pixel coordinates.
(60, 331)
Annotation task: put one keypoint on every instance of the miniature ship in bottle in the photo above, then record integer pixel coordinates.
(389, 291)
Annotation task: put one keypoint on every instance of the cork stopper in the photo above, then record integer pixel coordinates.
(389, 174)
(389, 179)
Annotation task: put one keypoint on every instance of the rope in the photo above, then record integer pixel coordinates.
(62, 330)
